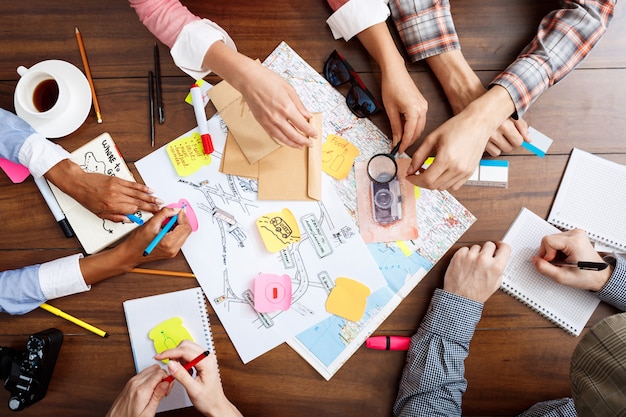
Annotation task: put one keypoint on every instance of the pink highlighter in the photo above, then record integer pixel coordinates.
(388, 342)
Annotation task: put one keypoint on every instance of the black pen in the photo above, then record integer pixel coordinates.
(151, 99)
(159, 91)
(590, 266)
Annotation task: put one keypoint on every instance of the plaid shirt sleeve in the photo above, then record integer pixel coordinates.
(433, 378)
(565, 37)
(425, 27)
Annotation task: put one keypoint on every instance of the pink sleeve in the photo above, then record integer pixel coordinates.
(164, 18)
(336, 4)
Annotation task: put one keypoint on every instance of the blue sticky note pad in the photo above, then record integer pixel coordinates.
(540, 143)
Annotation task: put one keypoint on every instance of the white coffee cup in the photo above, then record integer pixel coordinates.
(41, 93)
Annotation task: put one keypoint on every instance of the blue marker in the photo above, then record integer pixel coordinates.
(162, 233)
(135, 219)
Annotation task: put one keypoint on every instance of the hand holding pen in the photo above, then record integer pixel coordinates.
(569, 258)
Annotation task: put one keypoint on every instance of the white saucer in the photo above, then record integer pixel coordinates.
(80, 102)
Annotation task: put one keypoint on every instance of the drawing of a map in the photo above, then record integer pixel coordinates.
(441, 221)
(227, 252)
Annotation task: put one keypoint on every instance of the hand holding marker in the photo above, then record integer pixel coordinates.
(162, 233)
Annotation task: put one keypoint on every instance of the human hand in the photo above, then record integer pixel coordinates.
(405, 105)
(476, 272)
(509, 135)
(141, 395)
(458, 151)
(129, 253)
(276, 106)
(576, 246)
(205, 391)
(108, 197)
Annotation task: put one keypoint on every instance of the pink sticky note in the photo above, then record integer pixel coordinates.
(272, 292)
(15, 172)
(191, 215)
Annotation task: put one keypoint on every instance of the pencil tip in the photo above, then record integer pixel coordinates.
(106, 335)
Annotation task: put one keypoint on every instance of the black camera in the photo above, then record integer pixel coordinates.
(386, 202)
(27, 373)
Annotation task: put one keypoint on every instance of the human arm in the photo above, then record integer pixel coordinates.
(141, 394)
(200, 46)
(564, 38)
(433, 380)
(405, 105)
(23, 290)
(608, 284)
(108, 197)
(205, 391)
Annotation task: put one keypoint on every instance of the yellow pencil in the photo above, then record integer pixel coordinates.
(73, 319)
(83, 55)
(168, 273)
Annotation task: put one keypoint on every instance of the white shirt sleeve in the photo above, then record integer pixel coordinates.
(62, 277)
(192, 44)
(357, 15)
(39, 154)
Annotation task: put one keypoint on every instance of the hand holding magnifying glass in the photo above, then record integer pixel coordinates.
(382, 167)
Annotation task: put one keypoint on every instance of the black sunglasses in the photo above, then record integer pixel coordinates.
(359, 99)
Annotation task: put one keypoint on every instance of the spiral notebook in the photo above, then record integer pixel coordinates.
(570, 308)
(145, 314)
(591, 197)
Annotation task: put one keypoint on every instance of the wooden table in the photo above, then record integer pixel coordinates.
(517, 357)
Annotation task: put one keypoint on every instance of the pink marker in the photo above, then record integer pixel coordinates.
(388, 342)
(198, 109)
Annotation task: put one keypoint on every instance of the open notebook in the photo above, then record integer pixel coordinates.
(592, 197)
(99, 155)
(143, 315)
(569, 308)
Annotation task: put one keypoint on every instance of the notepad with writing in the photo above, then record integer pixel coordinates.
(145, 317)
(592, 197)
(99, 155)
(570, 308)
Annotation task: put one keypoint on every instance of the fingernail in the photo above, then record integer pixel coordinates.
(159, 201)
(173, 366)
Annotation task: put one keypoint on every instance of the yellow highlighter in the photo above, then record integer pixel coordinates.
(74, 320)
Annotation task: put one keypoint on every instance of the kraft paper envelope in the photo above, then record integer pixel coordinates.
(234, 162)
(293, 174)
(254, 141)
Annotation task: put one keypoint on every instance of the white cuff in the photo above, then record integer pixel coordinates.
(357, 15)
(192, 44)
(38, 154)
(62, 277)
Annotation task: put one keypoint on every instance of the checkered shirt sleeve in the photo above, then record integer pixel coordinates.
(425, 27)
(565, 37)
(614, 291)
(432, 382)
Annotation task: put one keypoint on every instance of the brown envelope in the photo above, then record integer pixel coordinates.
(234, 162)
(254, 141)
(293, 174)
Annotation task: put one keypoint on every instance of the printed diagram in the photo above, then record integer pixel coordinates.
(233, 212)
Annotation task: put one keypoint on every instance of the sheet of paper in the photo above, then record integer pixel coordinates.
(220, 253)
(441, 221)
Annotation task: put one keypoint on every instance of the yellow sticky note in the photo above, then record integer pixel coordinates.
(278, 229)
(168, 334)
(187, 154)
(204, 88)
(338, 156)
(348, 299)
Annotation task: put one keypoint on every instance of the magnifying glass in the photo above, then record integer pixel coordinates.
(382, 167)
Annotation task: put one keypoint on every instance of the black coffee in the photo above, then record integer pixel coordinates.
(45, 95)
